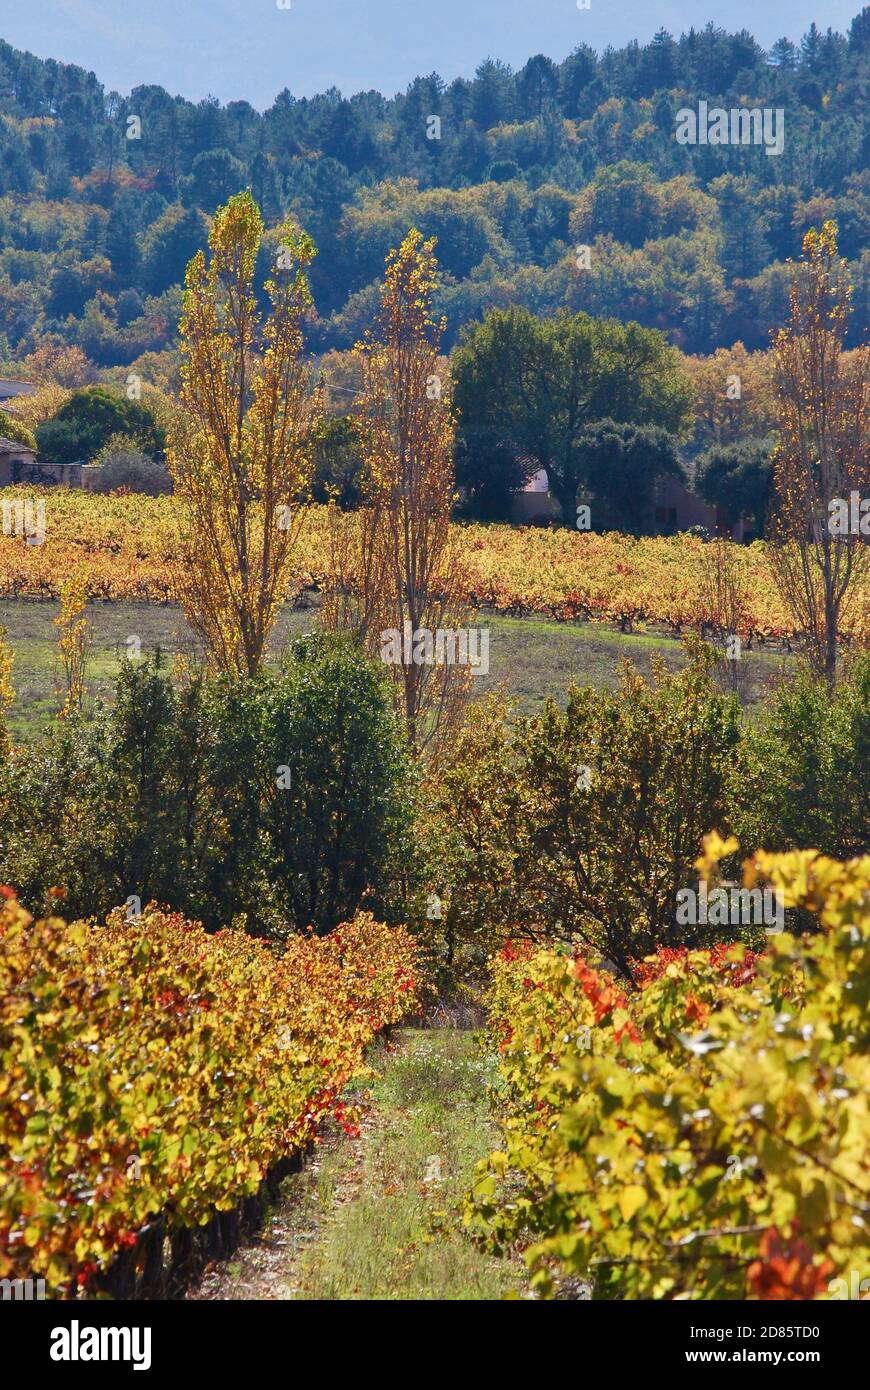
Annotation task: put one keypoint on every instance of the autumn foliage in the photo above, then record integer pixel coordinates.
(240, 455)
(823, 450)
(150, 1068)
(131, 548)
(395, 565)
(704, 1136)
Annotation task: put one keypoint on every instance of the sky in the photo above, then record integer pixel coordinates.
(252, 49)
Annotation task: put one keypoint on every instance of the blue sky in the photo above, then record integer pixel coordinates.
(252, 49)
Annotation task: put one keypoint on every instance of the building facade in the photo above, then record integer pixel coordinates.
(676, 508)
(18, 464)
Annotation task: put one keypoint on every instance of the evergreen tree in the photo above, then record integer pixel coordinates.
(536, 84)
(811, 49)
(784, 55)
(575, 75)
(491, 94)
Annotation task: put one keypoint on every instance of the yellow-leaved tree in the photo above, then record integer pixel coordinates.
(395, 573)
(822, 462)
(7, 694)
(74, 641)
(240, 457)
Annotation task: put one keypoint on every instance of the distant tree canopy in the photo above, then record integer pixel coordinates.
(169, 244)
(736, 478)
(88, 421)
(621, 464)
(528, 391)
(692, 240)
(14, 430)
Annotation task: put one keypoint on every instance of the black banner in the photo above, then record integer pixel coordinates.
(82, 1339)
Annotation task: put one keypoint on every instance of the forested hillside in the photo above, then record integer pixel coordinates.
(104, 198)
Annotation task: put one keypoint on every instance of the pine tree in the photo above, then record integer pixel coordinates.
(811, 49)
(784, 55)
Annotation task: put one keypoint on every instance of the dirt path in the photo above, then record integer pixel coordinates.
(374, 1216)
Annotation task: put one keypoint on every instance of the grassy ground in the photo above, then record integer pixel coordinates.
(428, 1126)
(529, 659)
(532, 659)
(31, 634)
(375, 1217)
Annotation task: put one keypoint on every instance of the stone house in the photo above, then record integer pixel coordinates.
(19, 464)
(676, 509)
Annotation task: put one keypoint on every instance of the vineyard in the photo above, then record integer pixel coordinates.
(128, 545)
(338, 963)
(705, 1137)
(155, 1077)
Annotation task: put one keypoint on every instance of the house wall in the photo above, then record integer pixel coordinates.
(676, 509)
(23, 468)
(15, 466)
(90, 472)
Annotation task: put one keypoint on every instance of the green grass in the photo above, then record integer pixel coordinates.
(388, 1227)
(529, 659)
(36, 674)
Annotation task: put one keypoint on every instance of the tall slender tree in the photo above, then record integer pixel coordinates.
(241, 461)
(7, 694)
(823, 454)
(398, 565)
(74, 641)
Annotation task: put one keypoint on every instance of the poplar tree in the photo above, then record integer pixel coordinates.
(823, 453)
(396, 569)
(241, 459)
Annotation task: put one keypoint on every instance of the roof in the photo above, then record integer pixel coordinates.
(9, 446)
(9, 389)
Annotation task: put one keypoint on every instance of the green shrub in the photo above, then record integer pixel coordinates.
(586, 822)
(124, 464)
(803, 776)
(177, 794)
(338, 828)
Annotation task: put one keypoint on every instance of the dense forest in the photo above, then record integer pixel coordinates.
(104, 198)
